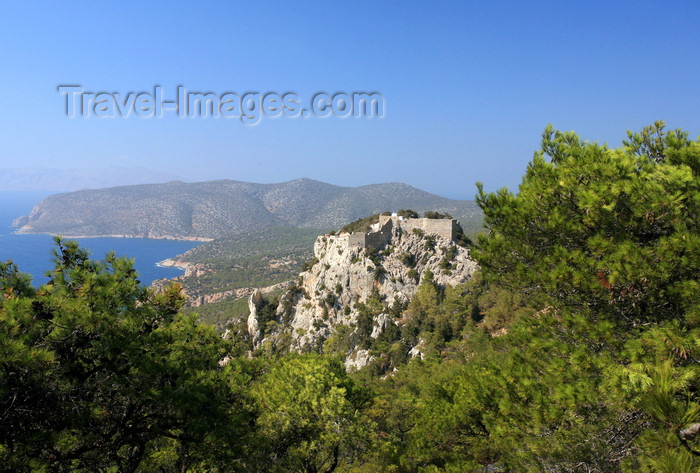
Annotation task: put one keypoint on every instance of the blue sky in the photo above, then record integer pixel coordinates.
(468, 86)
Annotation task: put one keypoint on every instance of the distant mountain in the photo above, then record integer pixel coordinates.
(66, 180)
(212, 209)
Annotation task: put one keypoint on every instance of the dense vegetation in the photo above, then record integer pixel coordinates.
(577, 348)
(246, 260)
(271, 242)
(363, 224)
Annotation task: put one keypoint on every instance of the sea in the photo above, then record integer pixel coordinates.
(32, 253)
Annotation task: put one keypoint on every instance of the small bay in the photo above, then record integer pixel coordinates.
(32, 253)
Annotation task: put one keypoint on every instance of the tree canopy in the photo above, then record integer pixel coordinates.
(575, 348)
(100, 372)
(612, 231)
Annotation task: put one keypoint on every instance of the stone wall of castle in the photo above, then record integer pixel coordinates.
(441, 227)
(380, 238)
(357, 239)
(446, 228)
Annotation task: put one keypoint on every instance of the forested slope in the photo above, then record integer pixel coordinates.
(575, 348)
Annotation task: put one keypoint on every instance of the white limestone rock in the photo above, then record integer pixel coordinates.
(254, 328)
(325, 295)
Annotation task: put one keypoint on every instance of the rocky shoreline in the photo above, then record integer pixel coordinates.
(22, 231)
(173, 263)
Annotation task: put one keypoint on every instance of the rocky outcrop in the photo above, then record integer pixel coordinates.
(233, 294)
(254, 303)
(325, 296)
(198, 300)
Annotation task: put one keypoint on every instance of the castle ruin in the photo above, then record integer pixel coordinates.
(445, 228)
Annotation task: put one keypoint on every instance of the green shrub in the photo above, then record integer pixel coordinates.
(360, 225)
(407, 213)
(309, 264)
(408, 259)
(436, 215)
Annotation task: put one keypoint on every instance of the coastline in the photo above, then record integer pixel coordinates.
(170, 262)
(149, 237)
(32, 253)
(173, 263)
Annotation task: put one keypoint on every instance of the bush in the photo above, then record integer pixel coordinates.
(360, 225)
(430, 243)
(407, 213)
(373, 255)
(436, 215)
(379, 273)
(309, 264)
(408, 259)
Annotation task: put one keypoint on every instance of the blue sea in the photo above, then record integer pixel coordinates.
(32, 253)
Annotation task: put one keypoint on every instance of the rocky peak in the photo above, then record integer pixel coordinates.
(341, 275)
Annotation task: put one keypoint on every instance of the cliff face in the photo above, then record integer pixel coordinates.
(342, 275)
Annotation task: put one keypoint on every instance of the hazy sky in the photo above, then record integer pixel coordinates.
(468, 86)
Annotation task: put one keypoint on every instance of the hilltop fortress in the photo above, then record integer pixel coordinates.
(344, 273)
(381, 234)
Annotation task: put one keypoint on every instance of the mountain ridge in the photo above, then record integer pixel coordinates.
(212, 209)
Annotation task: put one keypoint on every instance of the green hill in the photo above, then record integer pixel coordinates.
(213, 209)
